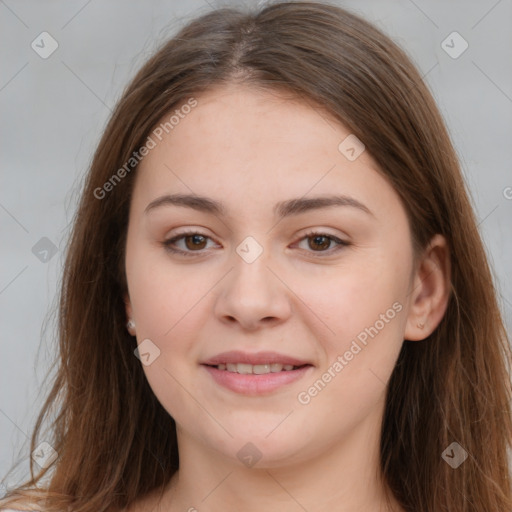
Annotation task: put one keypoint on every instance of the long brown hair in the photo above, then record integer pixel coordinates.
(115, 441)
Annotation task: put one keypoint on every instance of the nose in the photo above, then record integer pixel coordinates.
(253, 295)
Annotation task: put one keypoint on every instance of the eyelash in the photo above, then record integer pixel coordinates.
(168, 243)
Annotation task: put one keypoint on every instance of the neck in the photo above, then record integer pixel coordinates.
(344, 477)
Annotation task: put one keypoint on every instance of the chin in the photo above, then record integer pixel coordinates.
(256, 448)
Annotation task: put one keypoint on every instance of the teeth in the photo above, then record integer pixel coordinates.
(244, 368)
(260, 369)
(257, 369)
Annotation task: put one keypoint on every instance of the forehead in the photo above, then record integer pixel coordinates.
(244, 145)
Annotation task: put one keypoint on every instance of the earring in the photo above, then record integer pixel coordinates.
(420, 325)
(130, 325)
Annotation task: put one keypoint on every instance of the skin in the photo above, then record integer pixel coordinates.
(249, 150)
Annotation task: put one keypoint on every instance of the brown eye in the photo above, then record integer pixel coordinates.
(193, 244)
(319, 242)
(195, 241)
(187, 244)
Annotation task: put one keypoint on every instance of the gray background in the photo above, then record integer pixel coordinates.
(53, 112)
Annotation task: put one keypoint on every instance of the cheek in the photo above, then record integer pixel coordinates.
(349, 298)
(367, 320)
(166, 300)
(362, 310)
(161, 312)
(162, 293)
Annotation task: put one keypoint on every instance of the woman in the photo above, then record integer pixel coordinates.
(275, 296)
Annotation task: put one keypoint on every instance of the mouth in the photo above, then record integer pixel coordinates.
(256, 369)
(255, 374)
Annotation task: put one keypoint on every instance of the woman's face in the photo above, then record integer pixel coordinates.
(301, 258)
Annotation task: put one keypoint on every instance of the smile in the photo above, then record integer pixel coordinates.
(256, 369)
(255, 380)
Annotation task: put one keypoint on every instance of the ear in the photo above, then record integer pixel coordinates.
(430, 290)
(128, 306)
(129, 313)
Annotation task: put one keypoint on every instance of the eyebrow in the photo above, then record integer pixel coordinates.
(282, 209)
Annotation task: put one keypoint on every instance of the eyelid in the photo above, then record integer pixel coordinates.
(174, 238)
(321, 232)
(309, 234)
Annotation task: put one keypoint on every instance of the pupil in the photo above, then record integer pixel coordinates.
(316, 238)
(196, 240)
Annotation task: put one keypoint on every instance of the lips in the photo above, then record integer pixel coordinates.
(255, 374)
(259, 358)
(256, 369)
